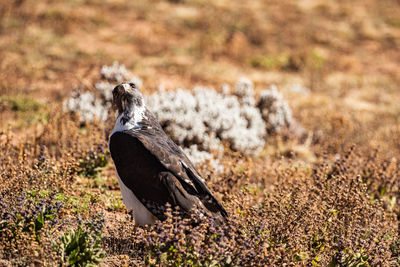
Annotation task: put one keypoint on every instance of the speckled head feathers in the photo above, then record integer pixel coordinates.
(129, 102)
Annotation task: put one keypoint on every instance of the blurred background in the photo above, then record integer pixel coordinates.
(345, 54)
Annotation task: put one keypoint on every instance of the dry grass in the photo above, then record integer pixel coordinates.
(330, 199)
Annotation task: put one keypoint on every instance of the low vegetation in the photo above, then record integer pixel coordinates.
(338, 212)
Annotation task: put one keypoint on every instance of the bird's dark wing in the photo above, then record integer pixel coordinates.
(156, 175)
(175, 161)
(138, 169)
(146, 177)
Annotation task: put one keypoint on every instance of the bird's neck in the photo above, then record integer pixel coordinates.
(129, 120)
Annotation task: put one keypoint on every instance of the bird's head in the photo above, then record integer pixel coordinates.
(128, 100)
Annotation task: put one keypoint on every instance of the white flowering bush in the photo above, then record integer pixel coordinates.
(206, 117)
(199, 120)
(244, 90)
(115, 73)
(275, 110)
(86, 106)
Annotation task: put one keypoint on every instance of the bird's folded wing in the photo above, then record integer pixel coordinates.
(175, 161)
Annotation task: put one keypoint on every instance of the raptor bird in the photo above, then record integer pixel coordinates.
(152, 170)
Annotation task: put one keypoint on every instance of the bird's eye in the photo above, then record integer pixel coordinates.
(132, 85)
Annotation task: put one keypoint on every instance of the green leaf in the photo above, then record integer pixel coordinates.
(39, 222)
(301, 256)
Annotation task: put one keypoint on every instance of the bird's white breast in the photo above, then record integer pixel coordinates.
(139, 115)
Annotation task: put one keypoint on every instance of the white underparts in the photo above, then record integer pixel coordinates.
(138, 116)
(141, 214)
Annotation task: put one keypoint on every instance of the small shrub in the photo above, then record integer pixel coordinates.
(82, 246)
(31, 212)
(275, 110)
(86, 106)
(205, 118)
(92, 163)
(350, 258)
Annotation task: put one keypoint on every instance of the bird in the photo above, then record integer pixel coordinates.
(154, 172)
